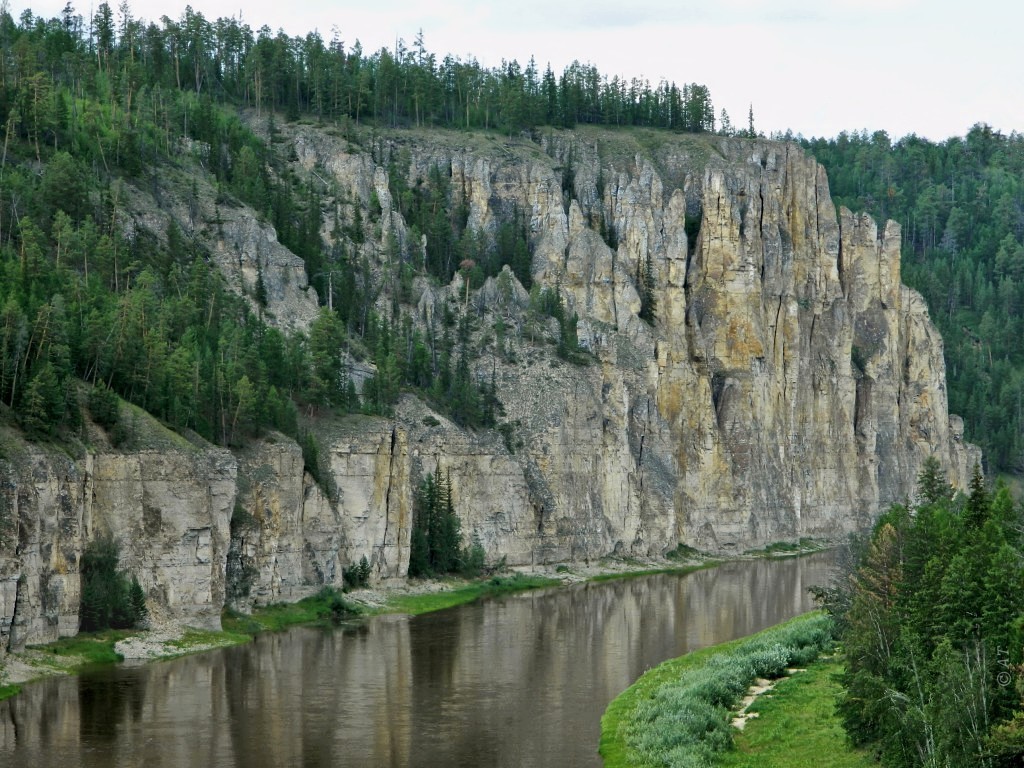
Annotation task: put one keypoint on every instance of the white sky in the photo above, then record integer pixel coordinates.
(817, 67)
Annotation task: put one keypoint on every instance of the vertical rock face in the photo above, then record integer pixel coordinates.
(169, 510)
(291, 537)
(790, 385)
(40, 531)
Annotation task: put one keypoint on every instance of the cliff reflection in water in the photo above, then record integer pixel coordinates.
(520, 681)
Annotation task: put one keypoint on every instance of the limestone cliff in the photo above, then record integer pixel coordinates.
(168, 504)
(290, 537)
(199, 526)
(789, 385)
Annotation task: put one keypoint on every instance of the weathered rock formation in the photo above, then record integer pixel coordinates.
(789, 386)
(197, 525)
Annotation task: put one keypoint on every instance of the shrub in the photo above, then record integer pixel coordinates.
(473, 558)
(358, 575)
(337, 607)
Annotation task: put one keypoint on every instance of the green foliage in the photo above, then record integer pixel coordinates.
(548, 302)
(436, 545)
(327, 605)
(492, 587)
(473, 559)
(338, 608)
(932, 630)
(110, 599)
(796, 724)
(105, 407)
(310, 455)
(678, 713)
(89, 648)
(683, 552)
(358, 575)
(8, 691)
(137, 602)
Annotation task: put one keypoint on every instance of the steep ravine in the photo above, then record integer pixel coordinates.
(790, 386)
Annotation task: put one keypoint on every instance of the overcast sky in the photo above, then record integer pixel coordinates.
(817, 67)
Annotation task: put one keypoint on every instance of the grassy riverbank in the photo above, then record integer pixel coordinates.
(331, 605)
(797, 725)
(327, 605)
(65, 656)
(679, 712)
(425, 602)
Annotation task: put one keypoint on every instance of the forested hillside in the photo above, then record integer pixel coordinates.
(90, 105)
(95, 107)
(961, 206)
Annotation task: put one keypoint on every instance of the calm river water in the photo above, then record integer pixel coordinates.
(517, 681)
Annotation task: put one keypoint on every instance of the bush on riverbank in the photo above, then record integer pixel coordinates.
(7, 691)
(678, 714)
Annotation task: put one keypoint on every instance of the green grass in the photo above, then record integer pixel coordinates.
(613, 747)
(677, 713)
(797, 726)
(676, 570)
(204, 639)
(325, 606)
(6, 691)
(88, 647)
(460, 595)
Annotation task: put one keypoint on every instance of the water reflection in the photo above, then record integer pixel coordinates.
(520, 681)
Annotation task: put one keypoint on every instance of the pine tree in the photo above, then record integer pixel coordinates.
(645, 287)
(932, 486)
(137, 599)
(977, 501)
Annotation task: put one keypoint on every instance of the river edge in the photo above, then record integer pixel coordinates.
(171, 640)
(620, 721)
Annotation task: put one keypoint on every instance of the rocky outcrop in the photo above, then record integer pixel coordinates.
(259, 268)
(170, 512)
(168, 509)
(41, 504)
(242, 245)
(198, 526)
(788, 386)
(291, 538)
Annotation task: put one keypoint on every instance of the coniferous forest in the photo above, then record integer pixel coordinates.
(932, 630)
(91, 105)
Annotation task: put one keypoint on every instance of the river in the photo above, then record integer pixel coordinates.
(517, 681)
